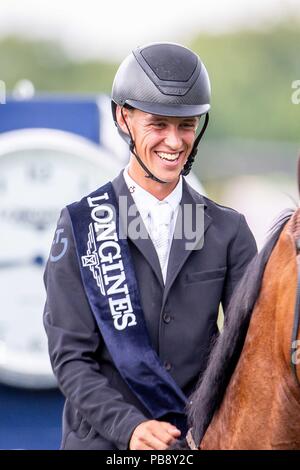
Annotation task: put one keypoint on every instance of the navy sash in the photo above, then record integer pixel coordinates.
(112, 291)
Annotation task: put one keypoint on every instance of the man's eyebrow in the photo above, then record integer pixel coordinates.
(160, 118)
(155, 116)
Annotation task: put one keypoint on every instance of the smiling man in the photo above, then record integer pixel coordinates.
(165, 142)
(131, 314)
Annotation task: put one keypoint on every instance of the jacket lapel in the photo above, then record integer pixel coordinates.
(179, 251)
(128, 220)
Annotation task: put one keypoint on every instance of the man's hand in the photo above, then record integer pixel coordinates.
(153, 435)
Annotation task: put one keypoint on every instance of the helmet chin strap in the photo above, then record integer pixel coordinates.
(132, 147)
(189, 163)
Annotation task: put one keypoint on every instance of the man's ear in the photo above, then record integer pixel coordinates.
(120, 118)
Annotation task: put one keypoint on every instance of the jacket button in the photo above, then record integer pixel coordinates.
(167, 365)
(166, 318)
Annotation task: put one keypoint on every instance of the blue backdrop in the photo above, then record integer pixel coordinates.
(30, 419)
(70, 114)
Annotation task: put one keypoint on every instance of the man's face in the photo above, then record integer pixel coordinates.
(163, 143)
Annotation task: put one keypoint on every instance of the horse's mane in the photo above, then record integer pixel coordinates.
(225, 354)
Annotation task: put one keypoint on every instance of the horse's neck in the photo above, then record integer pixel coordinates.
(261, 406)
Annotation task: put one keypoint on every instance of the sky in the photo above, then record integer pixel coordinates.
(110, 29)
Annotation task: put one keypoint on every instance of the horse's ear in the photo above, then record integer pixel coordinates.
(299, 175)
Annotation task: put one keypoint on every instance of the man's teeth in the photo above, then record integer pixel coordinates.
(168, 156)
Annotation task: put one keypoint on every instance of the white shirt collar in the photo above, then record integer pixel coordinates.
(145, 200)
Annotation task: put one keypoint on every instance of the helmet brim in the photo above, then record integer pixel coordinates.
(172, 110)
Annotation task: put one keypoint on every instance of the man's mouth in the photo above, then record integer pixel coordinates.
(170, 157)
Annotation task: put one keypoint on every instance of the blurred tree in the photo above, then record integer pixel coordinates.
(50, 69)
(252, 74)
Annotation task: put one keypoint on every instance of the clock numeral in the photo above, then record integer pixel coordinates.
(3, 185)
(39, 172)
(84, 184)
(59, 240)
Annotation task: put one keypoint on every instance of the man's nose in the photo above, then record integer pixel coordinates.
(173, 139)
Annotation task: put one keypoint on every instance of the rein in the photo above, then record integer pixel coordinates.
(190, 440)
(296, 317)
(297, 306)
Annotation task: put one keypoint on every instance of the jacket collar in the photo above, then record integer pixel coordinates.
(128, 219)
(179, 252)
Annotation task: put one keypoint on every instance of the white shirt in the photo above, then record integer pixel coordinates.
(145, 202)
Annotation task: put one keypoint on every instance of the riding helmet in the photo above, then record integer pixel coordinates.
(165, 79)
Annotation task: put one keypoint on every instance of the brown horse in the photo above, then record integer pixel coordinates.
(249, 395)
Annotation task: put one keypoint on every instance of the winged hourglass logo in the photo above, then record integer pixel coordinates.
(91, 259)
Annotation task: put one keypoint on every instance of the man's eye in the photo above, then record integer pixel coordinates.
(159, 125)
(188, 125)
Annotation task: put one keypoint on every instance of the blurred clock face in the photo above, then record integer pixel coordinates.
(35, 183)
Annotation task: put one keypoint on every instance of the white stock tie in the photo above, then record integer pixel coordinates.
(160, 218)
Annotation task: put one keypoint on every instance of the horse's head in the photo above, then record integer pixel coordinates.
(269, 296)
(283, 272)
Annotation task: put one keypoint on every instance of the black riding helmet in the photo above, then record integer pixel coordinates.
(165, 79)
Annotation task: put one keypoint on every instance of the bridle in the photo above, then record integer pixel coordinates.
(297, 305)
(296, 316)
